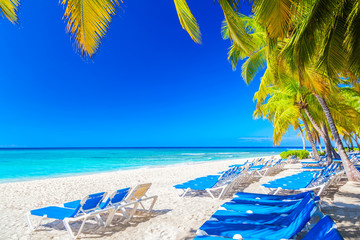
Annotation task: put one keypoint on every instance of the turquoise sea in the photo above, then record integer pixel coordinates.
(28, 164)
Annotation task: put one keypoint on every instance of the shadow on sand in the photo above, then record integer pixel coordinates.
(93, 230)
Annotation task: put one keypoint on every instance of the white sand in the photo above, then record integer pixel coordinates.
(174, 218)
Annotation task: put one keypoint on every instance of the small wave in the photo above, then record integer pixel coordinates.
(192, 154)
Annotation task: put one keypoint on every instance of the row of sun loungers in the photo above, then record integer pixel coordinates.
(125, 201)
(260, 216)
(319, 180)
(225, 181)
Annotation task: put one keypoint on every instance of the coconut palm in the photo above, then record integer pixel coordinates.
(275, 53)
(9, 8)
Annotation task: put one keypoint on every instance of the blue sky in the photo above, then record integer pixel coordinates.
(148, 85)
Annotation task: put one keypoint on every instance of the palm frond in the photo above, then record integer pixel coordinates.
(333, 55)
(275, 16)
(9, 8)
(302, 45)
(253, 64)
(352, 41)
(88, 22)
(187, 20)
(235, 29)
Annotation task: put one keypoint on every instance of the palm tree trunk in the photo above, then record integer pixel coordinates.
(351, 172)
(332, 153)
(311, 140)
(321, 132)
(347, 144)
(302, 138)
(357, 143)
(319, 142)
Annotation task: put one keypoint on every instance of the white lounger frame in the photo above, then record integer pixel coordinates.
(96, 214)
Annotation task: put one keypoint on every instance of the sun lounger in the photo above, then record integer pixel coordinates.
(116, 201)
(210, 184)
(324, 229)
(259, 231)
(84, 210)
(282, 207)
(269, 218)
(258, 196)
(137, 196)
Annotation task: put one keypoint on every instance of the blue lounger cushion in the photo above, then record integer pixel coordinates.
(61, 213)
(268, 219)
(260, 209)
(254, 231)
(116, 198)
(210, 238)
(320, 229)
(333, 235)
(258, 196)
(54, 212)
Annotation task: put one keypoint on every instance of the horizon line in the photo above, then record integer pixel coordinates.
(29, 148)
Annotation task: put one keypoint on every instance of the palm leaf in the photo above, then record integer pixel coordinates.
(235, 29)
(302, 45)
(187, 20)
(9, 8)
(352, 40)
(88, 22)
(275, 16)
(333, 55)
(253, 64)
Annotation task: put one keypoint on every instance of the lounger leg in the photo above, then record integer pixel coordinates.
(132, 212)
(207, 190)
(152, 204)
(110, 218)
(183, 195)
(221, 193)
(277, 190)
(68, 228)
(30, 225)
(99, 220)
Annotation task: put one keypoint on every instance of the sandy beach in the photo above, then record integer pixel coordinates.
(173, 217)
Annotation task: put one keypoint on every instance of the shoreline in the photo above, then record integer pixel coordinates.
(129, 169)
(173, 217)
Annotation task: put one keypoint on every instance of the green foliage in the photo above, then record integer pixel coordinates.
(322, 153)
(348, 149)
(297, 153)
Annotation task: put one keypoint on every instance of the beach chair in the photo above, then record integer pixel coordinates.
(212, 183)
(245, 208)
(323, 229)
(135, 197)
(84, 210)
(304, 181)
(237, 230)
(115, 202)
(272, 217)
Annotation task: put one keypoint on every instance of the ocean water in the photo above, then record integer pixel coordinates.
(29, 164)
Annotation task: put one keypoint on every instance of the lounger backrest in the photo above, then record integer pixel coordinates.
(91, 202)
(138, 192)
(116, 197)
(300, 221)
(321, 229)
(294, 214)
(333, 234)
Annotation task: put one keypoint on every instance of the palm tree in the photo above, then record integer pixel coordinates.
(8, 9)
(278, 54)
(320, 33)
(283, 107)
